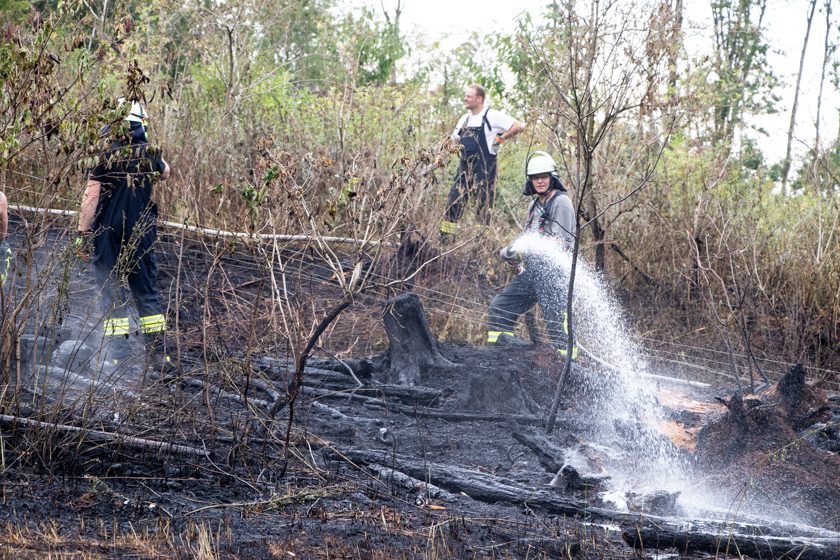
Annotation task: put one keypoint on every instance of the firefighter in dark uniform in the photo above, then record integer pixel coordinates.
(481, 132)
(119, 219)
(550, 214)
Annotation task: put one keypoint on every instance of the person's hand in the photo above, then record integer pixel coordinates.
(83, 244)
(511, 258)
(508, 254)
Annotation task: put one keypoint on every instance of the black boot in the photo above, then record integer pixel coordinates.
(157, 358)
(117, 352)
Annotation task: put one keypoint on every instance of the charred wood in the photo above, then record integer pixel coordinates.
(361, 368)
(475, 484)
(334, 415)
(411, 344)
(98, 436)
(398, 478)
(220, 393)
(550, 456)
(413, 411)
(421, 396)
(779, 548)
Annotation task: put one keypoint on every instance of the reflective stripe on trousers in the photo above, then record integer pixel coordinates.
(117, 326)
(153, 324)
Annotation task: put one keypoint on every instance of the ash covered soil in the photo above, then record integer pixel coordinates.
(337, 498)
(456, 466)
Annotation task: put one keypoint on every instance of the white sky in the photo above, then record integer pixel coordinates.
(451, 22)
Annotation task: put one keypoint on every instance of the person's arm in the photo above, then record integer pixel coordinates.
(4, 216)
(89, 202)
(514, 129)
(563, 220)
(164, 175)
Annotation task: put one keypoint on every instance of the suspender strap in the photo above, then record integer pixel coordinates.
(484, 121)
(546, 212)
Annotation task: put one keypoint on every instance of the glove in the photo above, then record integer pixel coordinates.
(5, 260)
(498, 140)
(512, 258)
(507, 254)
(83, 244)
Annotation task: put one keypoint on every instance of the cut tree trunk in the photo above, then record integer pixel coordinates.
(411, 344)
(498, 392)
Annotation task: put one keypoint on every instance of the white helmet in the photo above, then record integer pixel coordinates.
(137, 113)
(540, 162)
(537, 163)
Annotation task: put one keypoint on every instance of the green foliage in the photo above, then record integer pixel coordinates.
(743, 78)
(259, 103)
(13, 11)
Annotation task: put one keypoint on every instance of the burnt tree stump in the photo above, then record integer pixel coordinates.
(411, 344)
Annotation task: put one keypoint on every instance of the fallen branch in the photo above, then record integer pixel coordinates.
(425, 412)
(492, 489)
(475, 484)
(757, 546)
(548, 454)
(410, 483)
(335, 415)
(422, 396)
(98, 436)
(222, 394)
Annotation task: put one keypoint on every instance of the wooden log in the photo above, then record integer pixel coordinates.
(421, 396)
(334, 415)
(222, 394)
(99, 436)
(361, 368)
(475, 484)
(401, 479)
(648, 531)
(650, 536)
(411, 344)
(423, 412)
(549, 454)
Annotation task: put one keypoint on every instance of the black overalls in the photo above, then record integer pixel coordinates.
(476, 175)
(125, 231)
(537, 283)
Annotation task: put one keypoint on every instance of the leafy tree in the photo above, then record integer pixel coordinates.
(743, 78)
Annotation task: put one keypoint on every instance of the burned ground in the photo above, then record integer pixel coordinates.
(456, 466)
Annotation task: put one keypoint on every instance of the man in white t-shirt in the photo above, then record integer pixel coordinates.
(481, 132)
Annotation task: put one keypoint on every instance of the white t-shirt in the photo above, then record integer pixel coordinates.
(499, 122)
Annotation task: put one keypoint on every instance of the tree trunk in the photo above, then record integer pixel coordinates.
(411, 343)
(786, 163)
(827, 52)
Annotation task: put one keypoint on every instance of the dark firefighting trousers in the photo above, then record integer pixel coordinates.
(523, 292)
(476, 177)
(129, 260)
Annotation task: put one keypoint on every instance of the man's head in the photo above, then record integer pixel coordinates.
(541, 172)
(474, 97)
(137, 118)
